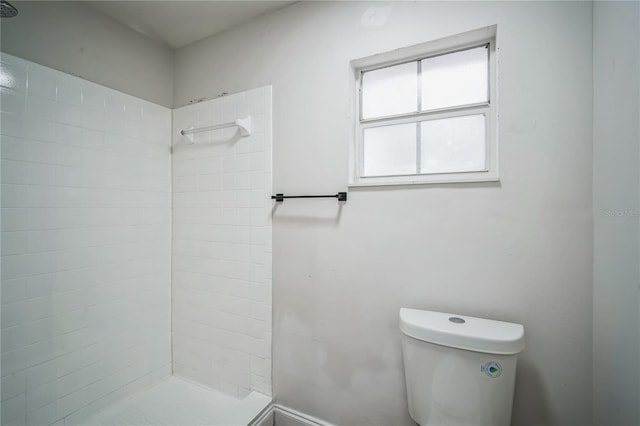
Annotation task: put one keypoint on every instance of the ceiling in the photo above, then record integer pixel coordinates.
(179, 23)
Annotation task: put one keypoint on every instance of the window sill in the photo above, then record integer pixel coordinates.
(427, 180)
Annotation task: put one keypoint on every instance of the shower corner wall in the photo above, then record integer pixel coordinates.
(221, 275)
(86, 205)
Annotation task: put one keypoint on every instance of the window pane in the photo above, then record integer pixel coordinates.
(390, 91)
(459, 78)
(390, 150)
(453, 145)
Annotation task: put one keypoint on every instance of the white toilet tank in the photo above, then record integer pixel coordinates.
(459, 370)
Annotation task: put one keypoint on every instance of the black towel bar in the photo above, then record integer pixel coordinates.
(341, 196)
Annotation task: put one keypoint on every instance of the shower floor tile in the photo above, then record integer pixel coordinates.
(177, 402)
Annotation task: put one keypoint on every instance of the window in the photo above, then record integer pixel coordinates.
(426, 113)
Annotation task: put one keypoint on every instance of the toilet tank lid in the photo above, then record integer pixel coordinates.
(463, 332)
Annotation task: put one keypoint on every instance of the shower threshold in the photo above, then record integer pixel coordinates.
(175, 402)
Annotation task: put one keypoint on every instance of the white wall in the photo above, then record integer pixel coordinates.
(222, 245)
(616, 205)
(85, 244)
(518, 251)
(76, 39)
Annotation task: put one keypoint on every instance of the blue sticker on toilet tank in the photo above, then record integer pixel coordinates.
(492, 369)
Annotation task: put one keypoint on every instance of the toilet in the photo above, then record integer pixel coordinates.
(459, 370)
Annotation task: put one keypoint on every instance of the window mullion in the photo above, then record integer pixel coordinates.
(482, 109)
(418, 147)
(461, 109)
(419, 97)
(418, 126)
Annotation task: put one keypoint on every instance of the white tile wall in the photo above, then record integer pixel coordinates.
(86, 217)
(222, 246)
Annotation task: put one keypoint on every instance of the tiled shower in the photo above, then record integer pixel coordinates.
(222, 245)
(119, 267)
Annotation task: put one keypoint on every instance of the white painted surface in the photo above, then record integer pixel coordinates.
(86, 175)
(519, 251)
(463, 332)
(71, 37)
(177, 402)
(222, 245)
(448, 386)
(616, 204)
(285, 416)
(267, 418)
(178, 23)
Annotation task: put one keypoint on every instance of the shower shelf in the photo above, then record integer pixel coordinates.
(341, 196)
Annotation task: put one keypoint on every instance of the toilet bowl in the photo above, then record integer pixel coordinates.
(459, 370)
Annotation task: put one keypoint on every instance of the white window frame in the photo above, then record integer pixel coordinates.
(468, 40)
